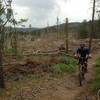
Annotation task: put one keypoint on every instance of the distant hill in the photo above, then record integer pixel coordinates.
(26, 29)
(72, 27)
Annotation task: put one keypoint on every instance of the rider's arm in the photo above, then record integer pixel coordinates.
(77, 54)
(88, 53)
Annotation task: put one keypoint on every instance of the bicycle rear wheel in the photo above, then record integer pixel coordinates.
(80, 79)
(81, 75)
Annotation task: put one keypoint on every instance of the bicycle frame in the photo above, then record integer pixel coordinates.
(81, 70)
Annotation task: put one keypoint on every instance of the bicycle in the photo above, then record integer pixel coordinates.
(98, 95)
(82, 70)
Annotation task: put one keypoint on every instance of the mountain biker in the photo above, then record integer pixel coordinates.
(83, 52)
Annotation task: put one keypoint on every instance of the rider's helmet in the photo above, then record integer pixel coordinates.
(82, 45)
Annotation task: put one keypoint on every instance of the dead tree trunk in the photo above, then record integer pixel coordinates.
(15, 37)
(66, 32)
(2, 83)
(57, 28)
(92, 25)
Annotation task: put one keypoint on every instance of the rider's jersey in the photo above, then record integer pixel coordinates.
(83, 52)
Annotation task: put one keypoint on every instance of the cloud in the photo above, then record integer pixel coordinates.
(38, 11)
(41, 12)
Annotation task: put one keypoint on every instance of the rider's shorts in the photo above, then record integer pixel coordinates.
(85, 60)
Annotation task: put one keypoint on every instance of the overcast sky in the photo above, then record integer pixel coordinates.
(41, 12)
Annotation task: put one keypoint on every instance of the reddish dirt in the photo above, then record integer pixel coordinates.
(31, 67)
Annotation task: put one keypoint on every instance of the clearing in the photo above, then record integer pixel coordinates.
(61, 87)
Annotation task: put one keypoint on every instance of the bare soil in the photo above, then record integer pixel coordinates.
(65, 87)
(62, 88)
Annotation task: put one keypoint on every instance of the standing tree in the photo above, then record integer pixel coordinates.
(92, 24)
(66, 32)
(5, 15)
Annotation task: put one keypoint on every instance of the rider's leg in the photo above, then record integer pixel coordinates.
(79, 64)
(86, 64)
(86, 67)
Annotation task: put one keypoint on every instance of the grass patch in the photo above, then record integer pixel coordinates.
(96, 84)
(66, 65)
(63, 68)
(10, 50)
(67, 60)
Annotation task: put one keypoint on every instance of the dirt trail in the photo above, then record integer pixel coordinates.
(63, 88)
(67, 88)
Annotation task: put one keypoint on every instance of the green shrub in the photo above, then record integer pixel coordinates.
(98, 62)
(59, 68)
(67, 60)
(96, 84)
(66, 65)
